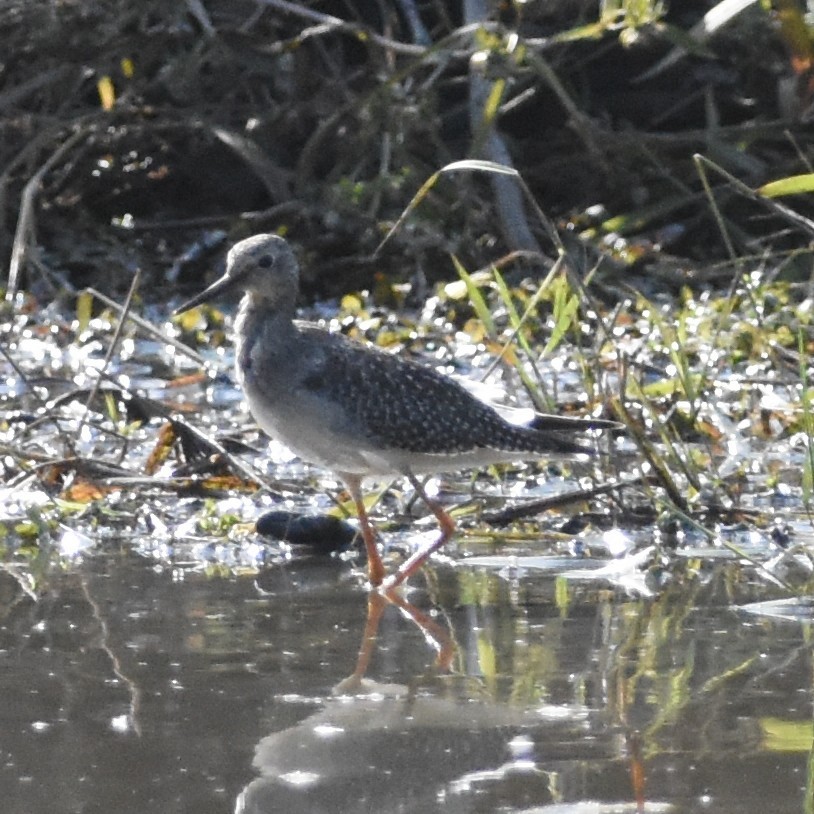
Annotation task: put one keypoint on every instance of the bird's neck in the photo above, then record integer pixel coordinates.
(281, 301)
(264, 316)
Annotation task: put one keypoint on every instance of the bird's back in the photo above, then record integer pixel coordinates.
(390, 404)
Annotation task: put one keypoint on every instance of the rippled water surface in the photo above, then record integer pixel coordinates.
(132, 687)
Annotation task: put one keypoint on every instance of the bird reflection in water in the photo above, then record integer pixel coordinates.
(435, 634)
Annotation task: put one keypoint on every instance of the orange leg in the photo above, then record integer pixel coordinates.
(375, 567)
(413, 563)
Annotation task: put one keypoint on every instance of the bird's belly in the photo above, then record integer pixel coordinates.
(308, 432)
(305, 431)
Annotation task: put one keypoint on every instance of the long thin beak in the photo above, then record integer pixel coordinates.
(220, 286)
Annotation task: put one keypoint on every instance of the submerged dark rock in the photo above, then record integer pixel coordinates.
(322, 533)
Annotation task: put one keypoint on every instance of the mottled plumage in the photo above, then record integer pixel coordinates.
(355, 409)
(399, 404)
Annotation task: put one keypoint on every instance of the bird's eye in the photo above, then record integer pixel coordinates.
(266, 261)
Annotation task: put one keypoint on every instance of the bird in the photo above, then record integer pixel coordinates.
(359, 411)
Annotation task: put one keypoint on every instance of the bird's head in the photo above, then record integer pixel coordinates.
(261, 265)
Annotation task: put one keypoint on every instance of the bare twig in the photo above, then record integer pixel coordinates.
(511, 513)
(24, 234)
(276, 180)
(343, 25)
(489, 144)
(15, 95)
(110, 350)
(148, 327)
(197, 10)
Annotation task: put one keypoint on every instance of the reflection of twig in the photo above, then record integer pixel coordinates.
(23, 577)
(25, 222)
(134, 689)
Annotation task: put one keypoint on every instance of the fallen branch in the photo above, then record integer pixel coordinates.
(533, 507)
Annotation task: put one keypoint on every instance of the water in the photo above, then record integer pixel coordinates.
(157, 670)
(131, 687)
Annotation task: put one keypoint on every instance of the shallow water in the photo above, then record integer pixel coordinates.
(132, 687)
(553, 666)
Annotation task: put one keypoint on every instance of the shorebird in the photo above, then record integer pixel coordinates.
(359, 411)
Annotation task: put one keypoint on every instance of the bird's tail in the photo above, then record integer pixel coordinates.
(544, 421)
(559, 434)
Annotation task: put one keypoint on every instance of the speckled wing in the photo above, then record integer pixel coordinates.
(402, 405)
